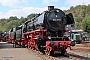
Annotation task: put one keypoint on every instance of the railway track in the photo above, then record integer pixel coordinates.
(58, 56)
(70, 55)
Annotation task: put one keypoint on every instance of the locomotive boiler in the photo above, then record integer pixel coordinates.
(53, 20)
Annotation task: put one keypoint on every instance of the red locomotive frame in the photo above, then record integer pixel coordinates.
(31, 44)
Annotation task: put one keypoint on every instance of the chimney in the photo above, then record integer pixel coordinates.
(50, 7)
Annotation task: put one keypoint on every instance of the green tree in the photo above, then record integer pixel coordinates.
(3, 19)
(31, 16)
(13, 18)
(83, 12)
(85, 23)
(0, 31)
(71, 8)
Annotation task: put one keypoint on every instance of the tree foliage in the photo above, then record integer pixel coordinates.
(13, 21)
(13, 18)
(86, 23)
(30, 16)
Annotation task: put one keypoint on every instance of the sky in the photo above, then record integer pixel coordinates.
(23, 8)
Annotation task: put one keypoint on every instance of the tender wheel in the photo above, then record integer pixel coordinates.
(23, 46)
(63, 52)
(20, 46)
(37, 47)
(14, 45)
(78, 42)
(52, 53)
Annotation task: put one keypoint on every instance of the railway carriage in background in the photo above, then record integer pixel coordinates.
(2, 37)
(75, 35)
(45, 32)
(78, 36)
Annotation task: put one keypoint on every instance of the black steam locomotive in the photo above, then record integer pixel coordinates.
(44, 32)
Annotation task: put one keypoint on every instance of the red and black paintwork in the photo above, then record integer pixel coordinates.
(50, 46)
(45, 32)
